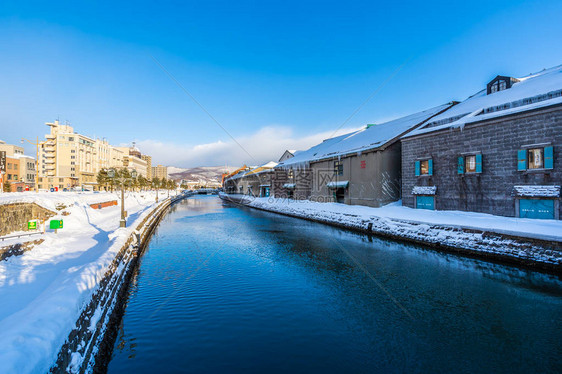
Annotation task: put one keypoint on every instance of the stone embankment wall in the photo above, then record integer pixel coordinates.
(14, 216)
(89, 345)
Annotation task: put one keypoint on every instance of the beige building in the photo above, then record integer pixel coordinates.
(20, 168)
(68, 159)
(148, 160)
(160, 172)
(10, 149)
(132, 160)
(70, 156)
(116, 157)
(103, 154)
(26, 169)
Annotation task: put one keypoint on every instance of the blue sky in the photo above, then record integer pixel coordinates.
(275, 75)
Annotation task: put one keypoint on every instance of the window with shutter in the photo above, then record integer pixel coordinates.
(522, 160)
(424, 167)
(535, 158)
(479, 163)
(548, 157)
(469, 164)
(460, 165)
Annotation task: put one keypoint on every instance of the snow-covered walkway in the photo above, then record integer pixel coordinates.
(43, 291)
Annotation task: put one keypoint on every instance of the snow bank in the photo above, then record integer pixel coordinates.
(44, 290)
(482, 233)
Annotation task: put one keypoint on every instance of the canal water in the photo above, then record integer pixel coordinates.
(226, 289)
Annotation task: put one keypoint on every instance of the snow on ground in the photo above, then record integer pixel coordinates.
(529, 228)
(43, 291)
(465, 231)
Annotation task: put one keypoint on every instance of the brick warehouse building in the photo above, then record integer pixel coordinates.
(498, 152)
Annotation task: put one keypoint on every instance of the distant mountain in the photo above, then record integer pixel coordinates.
(203, 175)
(175, 170)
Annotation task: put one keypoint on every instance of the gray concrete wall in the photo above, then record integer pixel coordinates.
(302, 178)
(375, 184)
(498, 140)
(254, 181)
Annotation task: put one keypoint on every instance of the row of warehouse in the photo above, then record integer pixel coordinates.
(497, 152)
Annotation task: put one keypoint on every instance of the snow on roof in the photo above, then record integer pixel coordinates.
(263, 168)
(424, 190)
(338, 184)
(17, 155)
(371, 137)
(238, 175)
(536, 191)
(270, 164)
(254, 170)
(535, 91)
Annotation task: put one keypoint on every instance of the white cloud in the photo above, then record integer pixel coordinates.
(267, 144)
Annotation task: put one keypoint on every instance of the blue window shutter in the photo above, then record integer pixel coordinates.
(479, 163)
(522, 160)
(417, 168)
(548, 157)
(430, 167)
(460, 165)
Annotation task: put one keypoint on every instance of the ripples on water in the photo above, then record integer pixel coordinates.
(228, 289)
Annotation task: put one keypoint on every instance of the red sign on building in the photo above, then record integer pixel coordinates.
(363, 164)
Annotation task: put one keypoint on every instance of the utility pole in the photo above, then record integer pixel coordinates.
(36, 144)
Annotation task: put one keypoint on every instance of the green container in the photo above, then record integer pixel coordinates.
(55, 224)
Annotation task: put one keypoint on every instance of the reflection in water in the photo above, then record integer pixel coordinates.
(229, 289)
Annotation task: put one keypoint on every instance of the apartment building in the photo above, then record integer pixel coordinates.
(68, 159)
(26, 170)
(132, 160)
(116, 157)
(68, 155)
(148, 160)
(11, 149)
(160, 172)
(19, 169)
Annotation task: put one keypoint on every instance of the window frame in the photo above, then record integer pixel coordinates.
(465, 158)
(546, 155)
(418, 167)
(338, 168)
(470, 164)
(422, 163)
(531, 157)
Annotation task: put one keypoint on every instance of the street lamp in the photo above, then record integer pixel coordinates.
(37, 144)
(122, 178)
